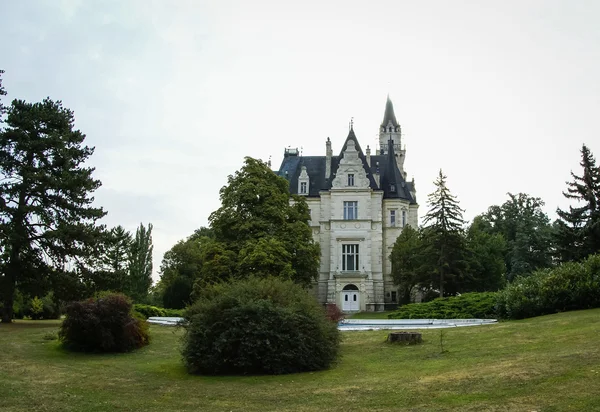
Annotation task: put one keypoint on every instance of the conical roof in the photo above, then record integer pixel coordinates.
(389, 114)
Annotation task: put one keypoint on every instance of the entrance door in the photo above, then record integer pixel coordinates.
(350, 299)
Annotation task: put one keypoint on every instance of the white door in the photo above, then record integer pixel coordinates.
(350, 301)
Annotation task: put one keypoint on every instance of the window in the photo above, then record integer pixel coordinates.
(351, 210)
(350, 179)
(302, 187)
(394, 296)
(350, 257)
(392, 218)
(403, 218)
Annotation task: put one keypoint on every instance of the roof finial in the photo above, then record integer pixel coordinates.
(351, 123)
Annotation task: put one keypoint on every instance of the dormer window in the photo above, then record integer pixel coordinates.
(350, 179)
(393, 188)
(303, 181)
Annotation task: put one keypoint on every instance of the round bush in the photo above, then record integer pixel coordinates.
(103, 324)
(258, 326)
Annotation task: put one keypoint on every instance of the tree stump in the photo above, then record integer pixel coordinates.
(407, 338)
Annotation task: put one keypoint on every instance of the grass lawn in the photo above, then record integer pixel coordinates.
(550, 363)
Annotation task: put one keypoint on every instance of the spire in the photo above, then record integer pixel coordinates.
(389, 114)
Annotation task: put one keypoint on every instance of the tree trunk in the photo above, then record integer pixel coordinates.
(405, 337)
(8, 297)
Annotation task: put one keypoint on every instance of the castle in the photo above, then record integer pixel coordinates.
(359, 203)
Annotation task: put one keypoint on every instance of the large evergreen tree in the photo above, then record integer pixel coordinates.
(446, 250)
(140, 264)
(46, 213)
(578, 229)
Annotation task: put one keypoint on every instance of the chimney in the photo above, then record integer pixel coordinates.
(328, 154)
(368, 156)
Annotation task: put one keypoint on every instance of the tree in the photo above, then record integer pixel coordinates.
(256, 213)
(527, 231)
(108, 269)
(578, 229)
(140, 264)
(2, 93)
(182, 266)
(407, 262)
(486, 257)
(46, 217)
(445, 244)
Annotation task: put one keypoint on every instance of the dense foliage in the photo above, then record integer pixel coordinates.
(527, 232)
(148, 311)
(466, 306)
(258, 326)
(103, 324)
(569, 286)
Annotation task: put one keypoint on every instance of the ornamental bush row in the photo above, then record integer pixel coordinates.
(569, 286)
(149, 311)
(466, 306)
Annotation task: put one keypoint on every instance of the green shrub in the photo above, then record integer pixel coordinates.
(174, 313)
(37, 307)
(103, 324)
(258, 326)
(569, 286)
(148, 310)
(466, 306)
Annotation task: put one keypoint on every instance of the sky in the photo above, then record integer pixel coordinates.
(500, 95)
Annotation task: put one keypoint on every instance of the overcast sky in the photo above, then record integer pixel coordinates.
(173, 94)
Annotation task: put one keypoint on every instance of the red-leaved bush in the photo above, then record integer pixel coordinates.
(103, 324)
(334, 313)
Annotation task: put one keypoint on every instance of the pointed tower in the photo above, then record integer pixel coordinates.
(390, 130)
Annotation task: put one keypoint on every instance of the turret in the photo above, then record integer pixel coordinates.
(390, 130)
(328, 154)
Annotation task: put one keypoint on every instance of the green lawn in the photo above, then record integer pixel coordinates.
(550, 363)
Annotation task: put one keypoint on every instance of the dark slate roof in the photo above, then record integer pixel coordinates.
(392, 181)
(291, 167)
(389, 114)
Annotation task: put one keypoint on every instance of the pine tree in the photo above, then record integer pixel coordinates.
(446, 247)
(578, 229)
(46, 217)
(2, 93)
(140, 264)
